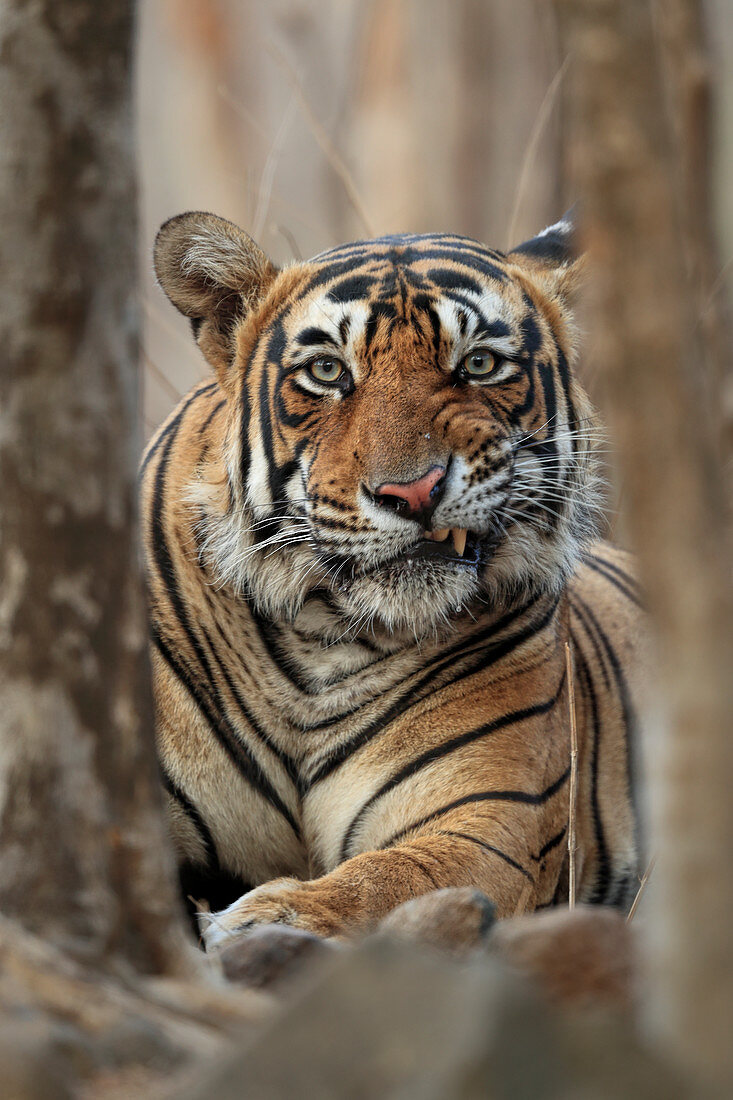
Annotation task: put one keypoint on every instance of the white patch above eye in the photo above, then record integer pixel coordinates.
(493, 308)
(325, 314)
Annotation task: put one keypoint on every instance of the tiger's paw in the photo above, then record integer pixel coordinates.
(282, 901)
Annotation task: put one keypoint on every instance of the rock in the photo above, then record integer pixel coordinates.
(30, 1068)
(578, 956)
(389, 1021)
(272, 955)
(456, 919)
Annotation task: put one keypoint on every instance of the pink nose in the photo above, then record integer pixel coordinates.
(412, 497)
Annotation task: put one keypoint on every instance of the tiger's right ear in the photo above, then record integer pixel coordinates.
(214, 273)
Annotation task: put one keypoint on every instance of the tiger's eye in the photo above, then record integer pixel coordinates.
(326, 369)
(479, 363)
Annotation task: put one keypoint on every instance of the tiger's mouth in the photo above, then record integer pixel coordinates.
(451, 544)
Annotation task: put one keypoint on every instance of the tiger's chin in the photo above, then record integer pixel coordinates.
(423, 594)
(414, 597)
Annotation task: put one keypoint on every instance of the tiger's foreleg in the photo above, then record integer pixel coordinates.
(354, 897)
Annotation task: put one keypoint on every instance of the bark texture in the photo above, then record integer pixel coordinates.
(640, 201)
(84, 860)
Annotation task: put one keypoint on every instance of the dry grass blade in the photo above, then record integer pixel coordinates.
(543, 116)
(285, 232)
(268, 172)
(573, 808)
(642, 887)
(328, 148)
(523, 899)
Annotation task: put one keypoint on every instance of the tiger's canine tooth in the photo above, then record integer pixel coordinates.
(441, 534)
(459, 539)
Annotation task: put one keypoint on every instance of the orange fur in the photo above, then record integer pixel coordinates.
(340, 724)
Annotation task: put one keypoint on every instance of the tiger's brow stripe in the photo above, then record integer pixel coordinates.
(312, 336)
(490, 848)
(452, 745)
(522, 797)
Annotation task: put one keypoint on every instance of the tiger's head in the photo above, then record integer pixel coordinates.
(403, 426)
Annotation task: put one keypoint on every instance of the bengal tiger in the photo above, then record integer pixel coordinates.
(368, 538)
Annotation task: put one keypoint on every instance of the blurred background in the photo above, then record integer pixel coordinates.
(313, 122)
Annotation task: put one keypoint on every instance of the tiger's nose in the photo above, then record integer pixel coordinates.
(413, 499)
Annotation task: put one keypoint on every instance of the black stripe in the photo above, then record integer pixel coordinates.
(219, 405)
(578, 609)
(192, 813)
(245, 456)
(444, 750)
(463, 648)
(621, 573)
(551, 844)
(621, 581)
(490, 848)
(485, 658)
(603, 875)
(630, 725)
(625, 890)
(522, 797)
(287, 761)
(237, 752)
(172, 425)
(227, 737)
(412, 857)
(312, 336)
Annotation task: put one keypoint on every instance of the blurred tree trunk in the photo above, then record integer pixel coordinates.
(688, 74)
(642, 183)
(84, 860)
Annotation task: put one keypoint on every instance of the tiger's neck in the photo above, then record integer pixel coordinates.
(329, 661)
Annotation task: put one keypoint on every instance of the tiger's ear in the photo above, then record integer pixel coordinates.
(552, 259)
(214, 273)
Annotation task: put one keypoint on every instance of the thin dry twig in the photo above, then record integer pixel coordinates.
(327, 146)
(543, 115)
(573, 808)
(642, 887)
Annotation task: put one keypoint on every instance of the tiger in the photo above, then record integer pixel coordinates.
(377, 587)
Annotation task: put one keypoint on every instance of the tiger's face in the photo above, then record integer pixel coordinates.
(404, 429)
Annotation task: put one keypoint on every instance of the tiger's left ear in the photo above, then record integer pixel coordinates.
(552, 260)
(215, 274)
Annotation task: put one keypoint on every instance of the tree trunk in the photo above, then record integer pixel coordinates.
(645, 319)
(84, 860)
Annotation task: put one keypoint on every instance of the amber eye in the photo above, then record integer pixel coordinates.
(326, 369)
(478, 364)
